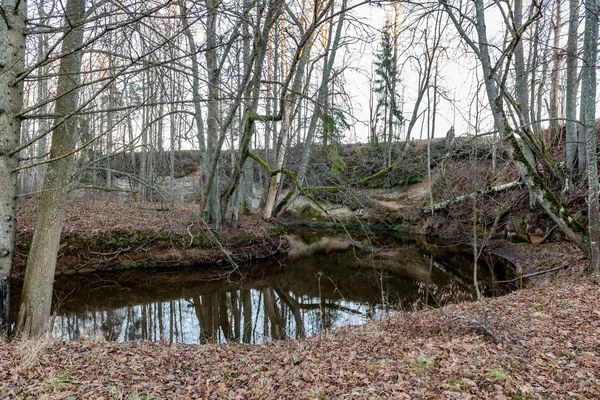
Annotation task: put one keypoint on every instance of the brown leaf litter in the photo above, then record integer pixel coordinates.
(540, 343)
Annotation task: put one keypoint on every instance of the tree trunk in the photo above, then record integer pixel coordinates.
(211, 212)
(533, 51)
(331, 52)
(553, 111)
(582, 134)
(571, 106)
(195, 88)
(588, 101)
(12, 55)
(36, 300)
(283, 141)
(521, 78)
(553, 207)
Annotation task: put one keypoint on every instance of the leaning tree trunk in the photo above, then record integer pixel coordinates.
(551, 205)
(12, 54)
(330, 55)
(36, 299)
(283, 141)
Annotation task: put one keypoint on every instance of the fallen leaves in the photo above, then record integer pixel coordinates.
(554, 330)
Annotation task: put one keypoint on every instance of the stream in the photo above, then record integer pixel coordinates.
(326, 281)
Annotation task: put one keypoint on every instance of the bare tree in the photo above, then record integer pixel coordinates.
(495, 84)
(36, 299)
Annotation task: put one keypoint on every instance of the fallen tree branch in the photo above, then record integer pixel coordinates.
(494, 189)
(565, 266)
(484, 328)
(546, 236)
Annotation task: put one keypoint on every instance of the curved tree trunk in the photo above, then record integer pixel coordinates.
(254, 64)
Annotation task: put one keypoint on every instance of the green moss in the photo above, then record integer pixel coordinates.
(424, 362)
(308, 238)
(497, 374)
(130, 264)
(308, 211)
(403, 229)
(273, 233)
(203, 241)
(243, 239)
(245, 209)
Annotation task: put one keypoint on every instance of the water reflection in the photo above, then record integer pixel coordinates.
(285, 299)
(252, 315)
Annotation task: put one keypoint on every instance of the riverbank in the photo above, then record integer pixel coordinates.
(120, 235)
(100, 236)
(533, 343)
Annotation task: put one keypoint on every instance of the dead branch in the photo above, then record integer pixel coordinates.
(486, 330)
(494, 189)
(565, 266)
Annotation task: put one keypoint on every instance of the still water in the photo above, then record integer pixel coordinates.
(327, 282)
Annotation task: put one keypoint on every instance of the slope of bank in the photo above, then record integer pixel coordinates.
(534, 343)
(109, 235)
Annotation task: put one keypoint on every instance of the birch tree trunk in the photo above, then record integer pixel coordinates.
(585, 82)
(256, 59)
(533, 65)
(521, 77)
(36, 299)
(195, 78)
(289, 109)
(12, 55)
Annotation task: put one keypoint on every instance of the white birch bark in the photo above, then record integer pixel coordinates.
(521, 77)
(284, 136)
(553, 111)
(12, 53)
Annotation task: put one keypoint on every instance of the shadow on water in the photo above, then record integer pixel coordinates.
(326, 282)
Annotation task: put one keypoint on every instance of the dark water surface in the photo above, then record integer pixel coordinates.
(331, 281)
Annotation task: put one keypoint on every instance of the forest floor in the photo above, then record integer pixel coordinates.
(535, 343)
(542, 342)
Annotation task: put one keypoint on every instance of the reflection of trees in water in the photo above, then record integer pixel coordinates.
(242, 315)
(323, 292)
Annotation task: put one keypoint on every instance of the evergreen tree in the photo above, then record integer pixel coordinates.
(387, 82)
